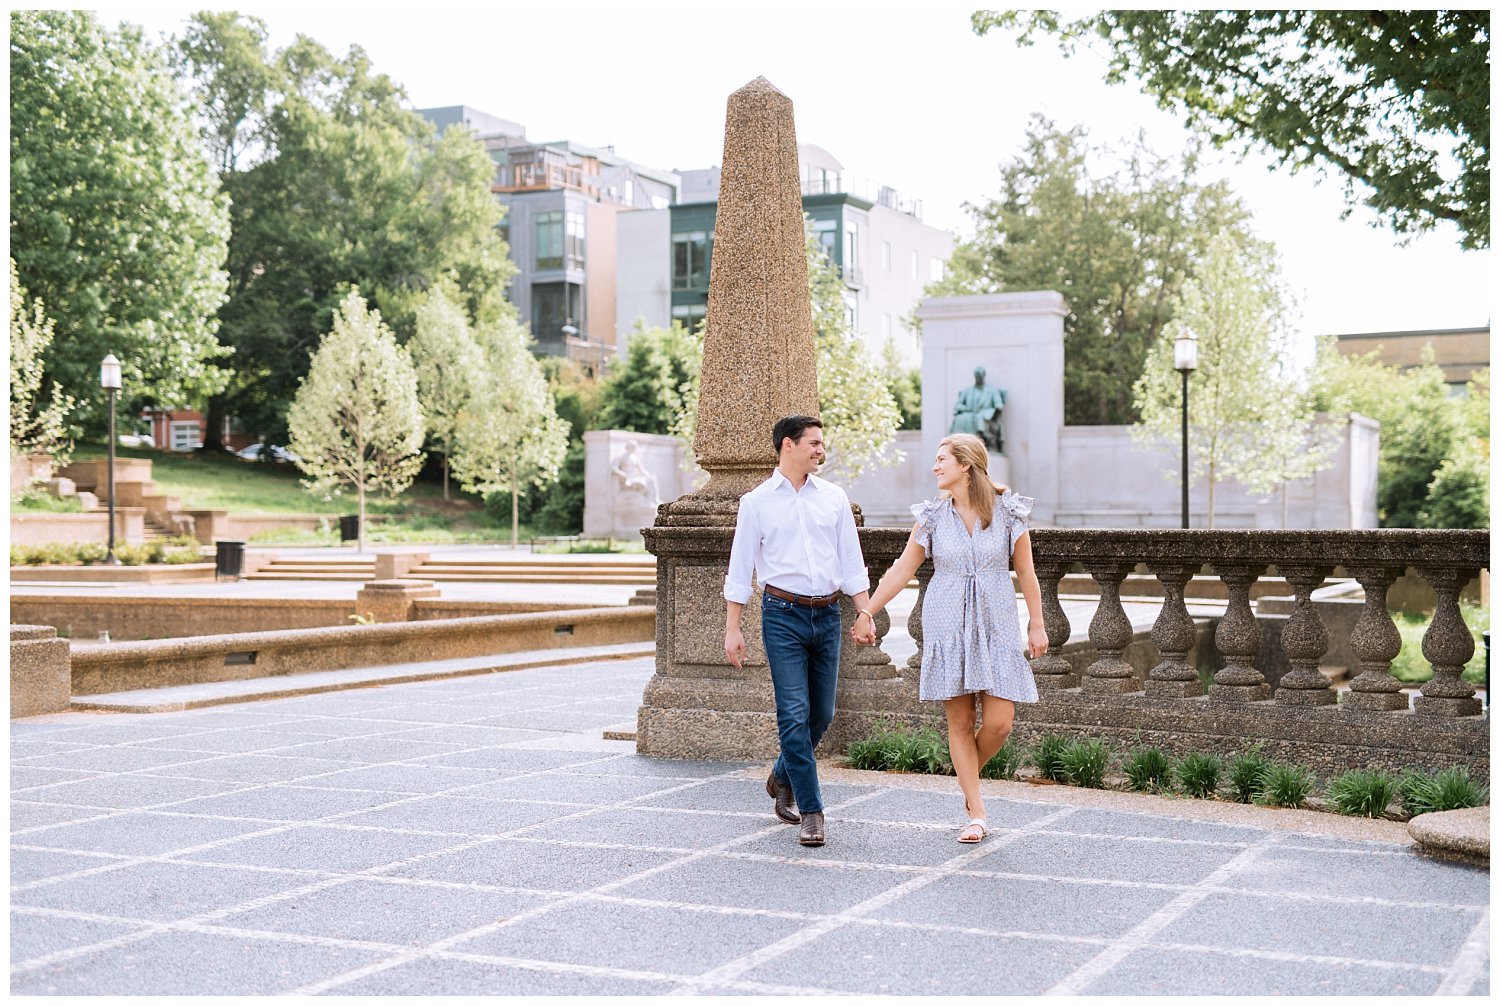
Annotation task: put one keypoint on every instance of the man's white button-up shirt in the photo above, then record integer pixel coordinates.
(802, 541)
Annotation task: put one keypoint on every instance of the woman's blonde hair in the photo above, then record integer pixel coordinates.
(967, 449)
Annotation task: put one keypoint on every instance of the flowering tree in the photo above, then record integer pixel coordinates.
(509, 438)
(356, 421)
(448, 363)
(34, 428)
(1249, 418)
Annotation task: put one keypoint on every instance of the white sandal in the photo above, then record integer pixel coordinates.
(975, 831)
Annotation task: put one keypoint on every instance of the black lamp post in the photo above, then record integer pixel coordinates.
(1185, 361)
(109, 380)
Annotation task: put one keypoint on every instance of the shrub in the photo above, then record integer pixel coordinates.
(1085, 762)
(1047, 757)
(1004, 764)
(89, 554)
(1147, 769)
(1247, 775)
(1362, 793)
(1198, 774)
(1285, 785)
(132, 555)
(924, 750)
(1450, 789)
(17, 555)
(181, 556)
(876, 752)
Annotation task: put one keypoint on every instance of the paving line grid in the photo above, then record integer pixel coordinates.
(479, 836)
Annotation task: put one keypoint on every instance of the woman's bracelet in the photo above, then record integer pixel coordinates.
(866, 611)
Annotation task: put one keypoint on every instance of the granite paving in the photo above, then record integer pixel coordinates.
(481, 836)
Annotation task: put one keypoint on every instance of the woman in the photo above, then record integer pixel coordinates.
(975, 532)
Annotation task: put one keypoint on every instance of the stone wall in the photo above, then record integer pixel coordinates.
(28, 528)
(39, 680)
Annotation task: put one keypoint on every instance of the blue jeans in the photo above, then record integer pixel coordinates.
(802, 645)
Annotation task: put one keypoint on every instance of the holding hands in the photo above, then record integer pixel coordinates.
(863, 629)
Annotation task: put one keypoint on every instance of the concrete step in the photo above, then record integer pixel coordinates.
(218, 693)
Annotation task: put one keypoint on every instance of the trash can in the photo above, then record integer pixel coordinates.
(229, 559)
(349, 527)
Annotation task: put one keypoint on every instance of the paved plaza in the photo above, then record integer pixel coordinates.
(480, 836)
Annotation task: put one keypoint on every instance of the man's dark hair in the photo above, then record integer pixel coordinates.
(792, 426)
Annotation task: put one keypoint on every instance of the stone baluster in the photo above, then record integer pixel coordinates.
(1174, 635)
(914, 621)
(1305, 640)
(1376, 642)
(1052, 670)
(1237, 638)
(867, 661)
(1447, 645)
(1110, 632)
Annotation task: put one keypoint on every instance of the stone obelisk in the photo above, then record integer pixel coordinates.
(759, 364)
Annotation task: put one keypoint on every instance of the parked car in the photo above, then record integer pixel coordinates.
(254, 452)
(136, 440)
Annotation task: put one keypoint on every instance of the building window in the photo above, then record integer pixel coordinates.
(554, 305)
(851, 251)
(689, 315)
(690, 261)
(186, 436)
(936, 269)
(827, 232)
(549, 240)
(885, 256)
(914, 273)
(573, 239)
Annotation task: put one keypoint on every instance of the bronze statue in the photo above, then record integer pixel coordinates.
(977, 411)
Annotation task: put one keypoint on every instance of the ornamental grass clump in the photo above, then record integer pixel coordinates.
(878, 752)
(1247, 775)
(1085, 762)
(1450, 789)
(1047, 757)
(1363, 792)
(1198, 775)
(1148, 770)
(1004, 764)
(1285, 785)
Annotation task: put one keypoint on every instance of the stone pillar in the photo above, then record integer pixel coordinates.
(1447, 645)
(392, 600)
(1376, 642)
(1052, 670)
(1174, 635)
(759, 364)
(1237, 638)
(1110, 632)
(1305, 640)
(41, 671)
(395, 565)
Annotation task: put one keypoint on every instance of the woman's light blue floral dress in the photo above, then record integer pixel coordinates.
(971, 639)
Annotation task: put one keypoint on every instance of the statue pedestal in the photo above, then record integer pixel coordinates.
(999, 469)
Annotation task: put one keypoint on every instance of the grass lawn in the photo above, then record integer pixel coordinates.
(204, 481)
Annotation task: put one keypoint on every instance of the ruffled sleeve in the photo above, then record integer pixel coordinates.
(1016, 509)
(926, 513)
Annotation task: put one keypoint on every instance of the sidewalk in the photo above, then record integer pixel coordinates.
(478, 836)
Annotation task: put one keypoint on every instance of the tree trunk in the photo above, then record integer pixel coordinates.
(1212, 482)
(445, 478)
(360, 541)
(213, 424)
(515, 509)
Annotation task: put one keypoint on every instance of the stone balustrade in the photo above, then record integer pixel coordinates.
(1303, 717)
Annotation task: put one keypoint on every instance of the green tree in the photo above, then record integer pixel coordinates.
(1420, 425)
(1247, 419)
(356, 421)
(855, 404)
(117, 221)
(644, 391)
(34, 428)
(1459, 493)
(510, 439)
(334, 181)
(448, 362)
(1117, 245)
(577, 396)
(1396, 101)
(905, 385)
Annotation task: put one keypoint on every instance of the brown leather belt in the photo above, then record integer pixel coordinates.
(803, 599)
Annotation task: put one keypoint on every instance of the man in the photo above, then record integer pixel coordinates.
(977, 411)
(796, 534)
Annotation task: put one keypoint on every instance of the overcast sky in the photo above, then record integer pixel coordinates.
(903, 94)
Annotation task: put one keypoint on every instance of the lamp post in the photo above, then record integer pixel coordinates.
(109, 380)
(1185, 361)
